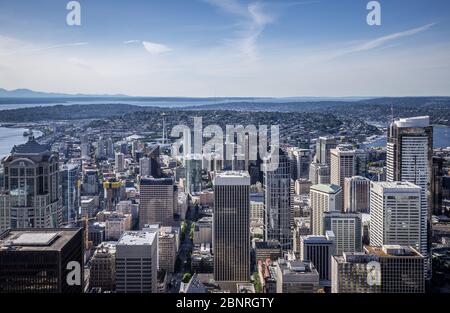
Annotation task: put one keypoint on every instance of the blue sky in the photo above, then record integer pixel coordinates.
(227, 47)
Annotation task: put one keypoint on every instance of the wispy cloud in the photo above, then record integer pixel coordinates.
(155, 48)
(381, 41)
(26, 48)
(255, 20)
(131, 41)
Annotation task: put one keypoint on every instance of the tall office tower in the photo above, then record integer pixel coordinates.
(409, 153)
(100, 153)
(41, 261)
(231, 228)
(295, 276)
(319, 250)
(109, 146)
(154, 155)
(437, 181)
(346, 162)
(102, 272)
(69, 176)
(90, 182)
(347, 229)
(136, 262)
(300, 162)
(350, 273)
(395, 214)
(356, 194)
(32, 194)
(158, 200)
(324, 198)
(323, 148)
(319, 173)
(145, 167)
(193, 173)
(277, 203)
(402, 268)
(119, 164)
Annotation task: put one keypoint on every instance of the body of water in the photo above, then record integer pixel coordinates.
(441, 138)
(9, 137)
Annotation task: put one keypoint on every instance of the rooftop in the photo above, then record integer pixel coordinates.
(419, 121)
(228, 178)
(137, 238)
(392, 251)
(326, 188)
(30, 147)
(36, 239)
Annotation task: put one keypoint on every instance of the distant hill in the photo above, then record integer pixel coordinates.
(28, 93)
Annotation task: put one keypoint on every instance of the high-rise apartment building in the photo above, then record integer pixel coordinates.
(136, 262)
(324, 198)
(32, 190)
(231, 227)
(346, 162)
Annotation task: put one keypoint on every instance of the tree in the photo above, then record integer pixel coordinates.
(187, 277)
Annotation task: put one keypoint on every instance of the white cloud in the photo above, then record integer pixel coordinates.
(131, 41)
(155, 48)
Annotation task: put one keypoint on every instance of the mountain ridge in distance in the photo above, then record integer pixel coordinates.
(28, 93)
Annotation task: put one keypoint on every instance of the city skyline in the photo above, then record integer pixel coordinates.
(212, 48)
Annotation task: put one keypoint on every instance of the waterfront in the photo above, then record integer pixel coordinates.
(441, 138)
(10, 137)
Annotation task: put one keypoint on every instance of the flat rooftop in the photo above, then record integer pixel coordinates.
(393, 251)
(36, 239)
(137, 238)
(230, 178)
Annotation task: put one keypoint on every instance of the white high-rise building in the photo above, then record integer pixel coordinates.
(395, 214)
(324, 198)
(409, 153)
(231, 228)
(136, 262)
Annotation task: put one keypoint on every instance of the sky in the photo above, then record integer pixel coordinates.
(226, 48)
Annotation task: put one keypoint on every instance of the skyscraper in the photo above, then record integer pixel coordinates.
(145, 167)
(32, 194)
(319, 173)
(324, 198)
(395, 214)
(409, 153)
(136, 262)
(323, 148)
(277, 203)
(356, 194)
(194, 173)
(231, 227)
(300, 162)
(69, 176)
(158, 200)
(319, 250)
(347, 230)
(345, 162)
(119, 162)
(41, 261)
